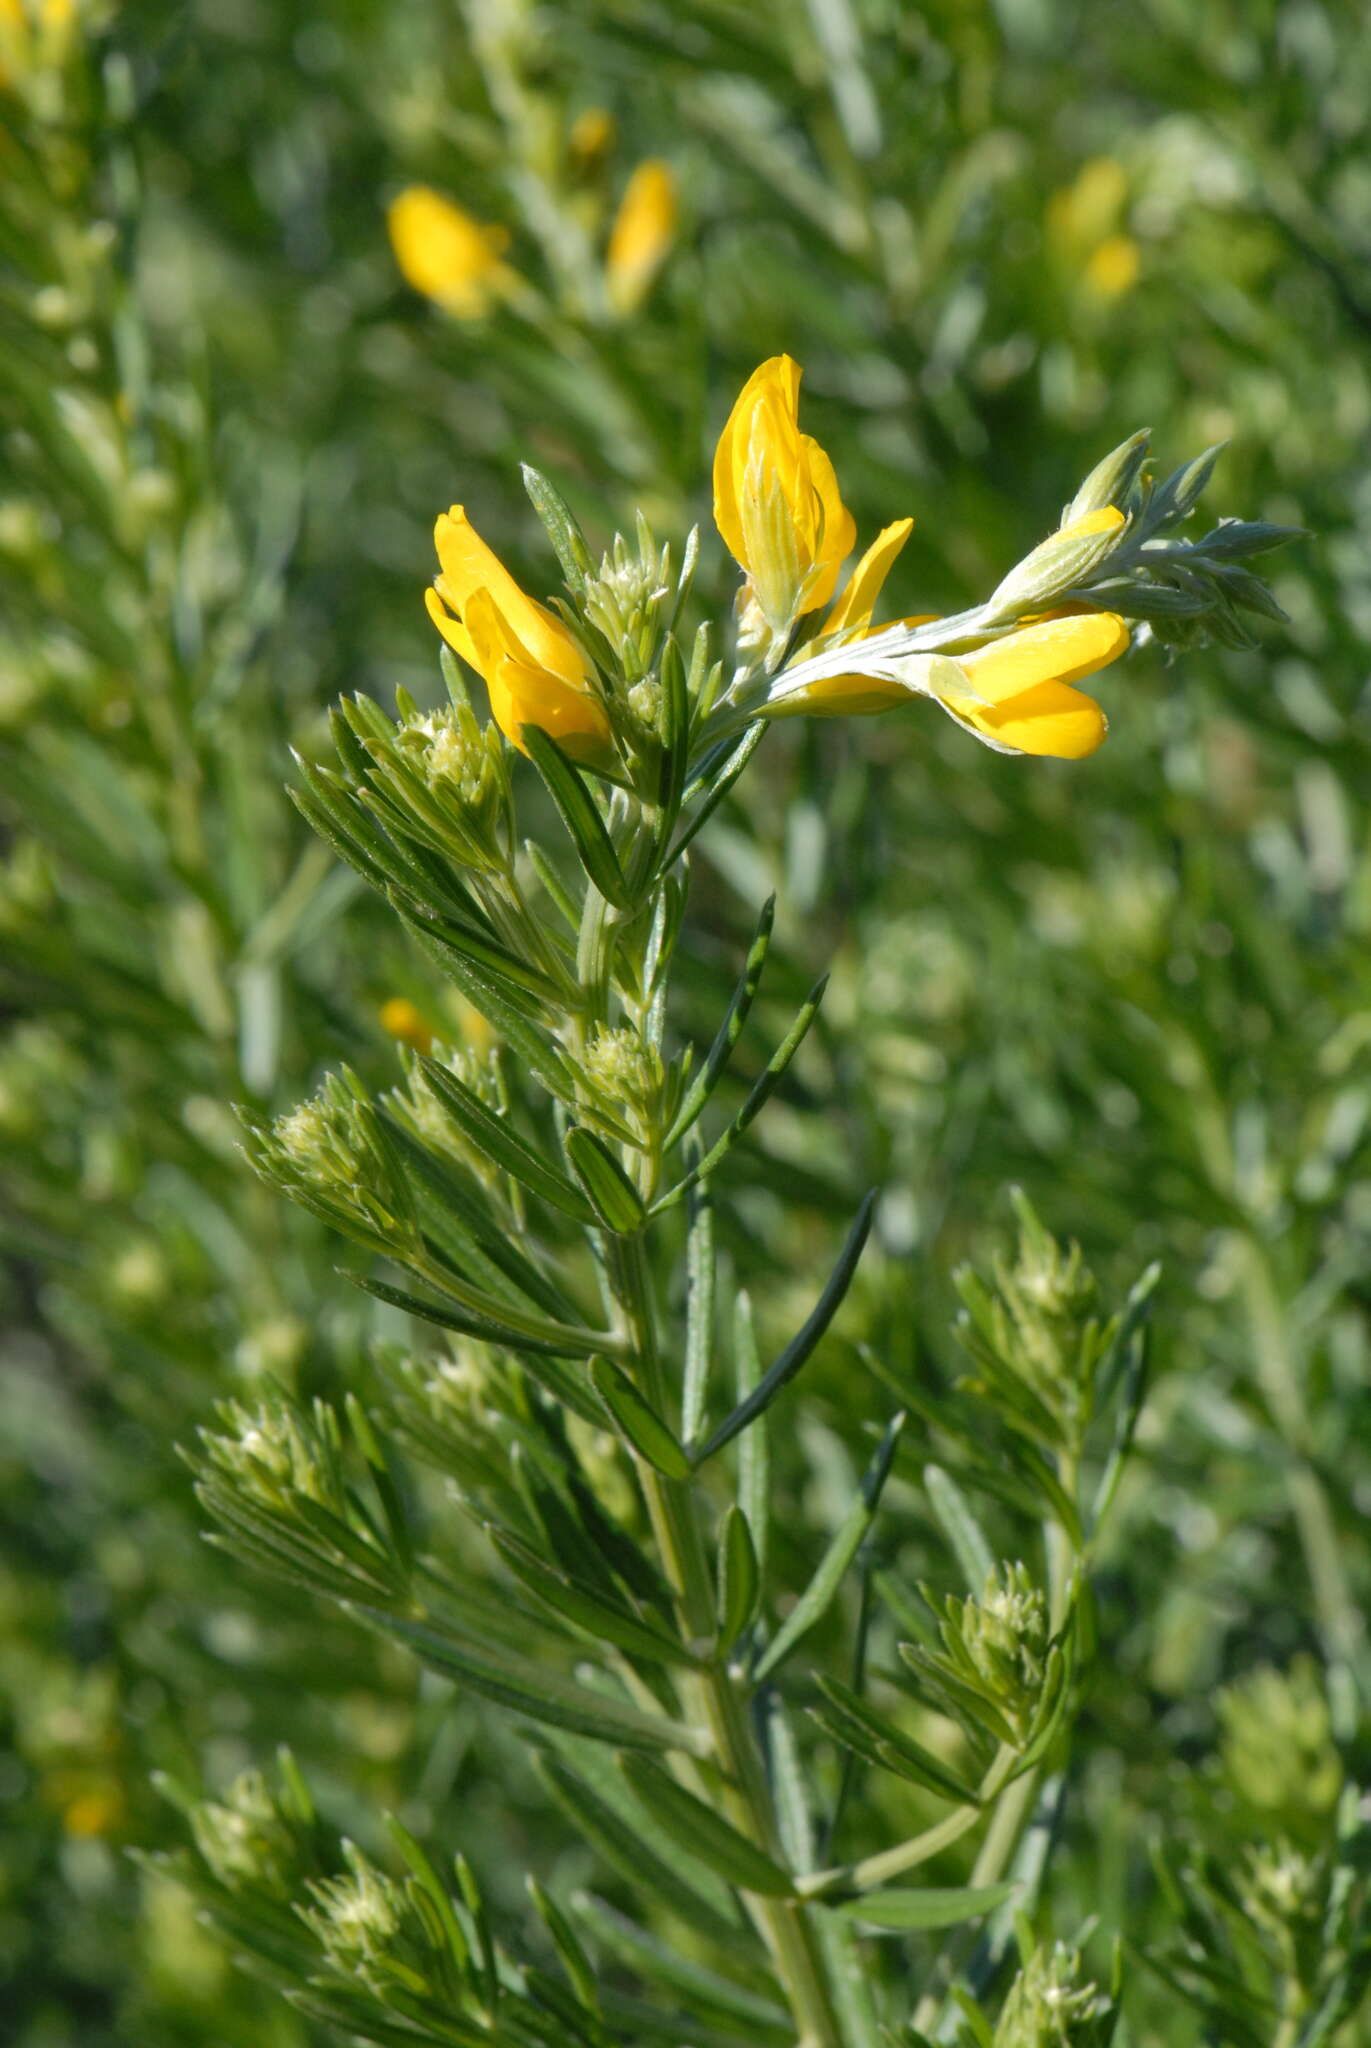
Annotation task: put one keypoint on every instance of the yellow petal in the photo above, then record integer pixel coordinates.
(858, 601)
(469, 566)
(848, 696)
(1053, 650)
(452, 630)
(819, 509)
(522, 695)
(1107, 520)
(643, 231)
(1046, 719)
(777, 380)
(525, 692)
(443, 252)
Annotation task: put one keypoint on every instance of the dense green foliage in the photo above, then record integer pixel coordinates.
(999, 239)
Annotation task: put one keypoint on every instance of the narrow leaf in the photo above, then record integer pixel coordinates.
(638, 1422)
(532, 1690)
(561, 527)
(625, 1848)
(593, 844)
(617, 1202)
(705, 1833)
(759, 1094)
(493, 1136)
(706, 1993)
(935, 1907)
(565, 1940)
(852, 1720)
(575, 1343)
(740, 1581)
(587, 1609)
(731, 1028)
(974, 1555)
(800, 1346)
(814, 1601)
(699, 1335)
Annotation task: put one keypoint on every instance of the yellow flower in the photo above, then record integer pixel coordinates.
(1112, 269)
(34, 34)
(643, 231)
(590, 140)
(445, 253)
(405, 1021)
(776, 500)
(1020, 698)
(532, 667)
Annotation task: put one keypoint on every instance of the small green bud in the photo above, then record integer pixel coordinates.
(626, 1073)
(1001, 1638)
(332, 1154)
(355, 1918)
(1048, 2006)
(244, 1839)
(624, 601)
(1276, 1748)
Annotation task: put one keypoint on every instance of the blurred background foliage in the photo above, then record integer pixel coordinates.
(998, 237)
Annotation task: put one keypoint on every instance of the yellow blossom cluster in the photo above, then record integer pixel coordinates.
(449, 256)
(778, 506)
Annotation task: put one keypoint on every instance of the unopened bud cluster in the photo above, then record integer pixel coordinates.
(1001, 1639)
(624, 601)
(1049, 2007)
(1033, 1337)
(246, 1840)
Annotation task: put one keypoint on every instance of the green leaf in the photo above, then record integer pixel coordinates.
(740, 1581)
(800, 1346)
(754, 1452)
(493, 1136)
(974, 1556)
(908, 1911)
(851, 1720)
(675, 739)
(575, 1602)
(593, 844)
(575, 1343)
(814, 1601)
(705, 1993)
(618, 1837)
(532, 1689)
(638, 1422)
(617, 1202)
(716, 776)
(704, 1833)
(565, 1940)
(560, 525)
(699, 1333)
(432, 1886)
(759, 1094)
(730, 1030)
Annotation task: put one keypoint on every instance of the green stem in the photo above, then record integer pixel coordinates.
(786, 1928)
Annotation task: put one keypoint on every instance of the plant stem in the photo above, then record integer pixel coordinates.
(672, 1506)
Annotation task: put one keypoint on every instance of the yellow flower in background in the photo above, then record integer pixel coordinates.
(34, 35)
(591, 137)
(644, 230)
(1112, 269)
(532, 667)
(776, 500)
(1021, 699)
(445, 253)
(1084, 231)
(406, 1021)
